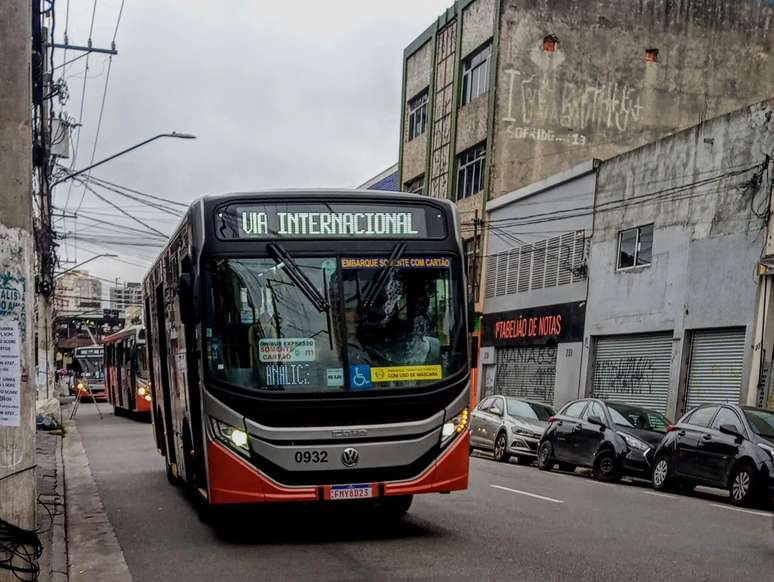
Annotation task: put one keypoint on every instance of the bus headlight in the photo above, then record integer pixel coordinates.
(454, 427)
(142, 391)
(232, 437)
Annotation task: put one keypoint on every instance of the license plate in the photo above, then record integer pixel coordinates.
(359, 491)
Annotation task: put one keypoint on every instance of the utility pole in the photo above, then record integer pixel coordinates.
(17, 426)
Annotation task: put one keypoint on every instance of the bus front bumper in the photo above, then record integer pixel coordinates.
(232, 479)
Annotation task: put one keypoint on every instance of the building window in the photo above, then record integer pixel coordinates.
(470, 248)
(416, 186)
(470, 171)
(475, 74)
(417, 115)
(635, 247)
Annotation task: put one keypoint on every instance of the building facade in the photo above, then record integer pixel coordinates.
(499, 94)
(77, 291)
(127, 295)
(386, 181)
(679, 306)
(536, 288)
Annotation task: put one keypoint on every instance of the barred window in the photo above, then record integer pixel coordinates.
(417, 115)
(470, 171)
(475, 74)
(416, 186)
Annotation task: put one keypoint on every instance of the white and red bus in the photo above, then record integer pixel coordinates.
(89, 372)
(126, 372)
(311, 345)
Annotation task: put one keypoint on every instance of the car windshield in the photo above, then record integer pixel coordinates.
(361, 325)
(761, 421)
(640, 418)
(528, 410)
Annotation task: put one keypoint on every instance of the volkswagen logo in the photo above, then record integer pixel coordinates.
(350, 457)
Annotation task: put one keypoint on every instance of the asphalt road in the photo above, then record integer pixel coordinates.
(514, 523)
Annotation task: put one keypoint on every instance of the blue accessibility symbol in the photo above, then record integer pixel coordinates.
(360, 377)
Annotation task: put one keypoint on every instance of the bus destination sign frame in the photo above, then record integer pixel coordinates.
(329, 221)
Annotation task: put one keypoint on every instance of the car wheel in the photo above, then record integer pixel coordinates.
(501, 448)
(569, 467)
(742, 486)
(545, 460)
(662, 474)
(523, 460)
(605, 467)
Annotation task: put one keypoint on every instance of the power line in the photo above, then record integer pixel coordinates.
(154, 197)
(122, 211)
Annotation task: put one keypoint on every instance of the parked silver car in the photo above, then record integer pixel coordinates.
(509, 427)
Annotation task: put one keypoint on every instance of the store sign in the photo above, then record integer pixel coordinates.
(328, 220)
(537, 325)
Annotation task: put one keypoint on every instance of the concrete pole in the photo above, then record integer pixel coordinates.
(17, 420)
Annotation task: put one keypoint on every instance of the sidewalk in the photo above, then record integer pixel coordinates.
(79, 542)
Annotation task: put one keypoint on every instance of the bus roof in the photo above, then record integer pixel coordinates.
(123, 333)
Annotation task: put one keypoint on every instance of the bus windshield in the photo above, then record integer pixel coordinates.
(380, 325)
(91, 365)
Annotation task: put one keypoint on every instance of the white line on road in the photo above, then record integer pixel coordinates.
(657, 494)
(551, 499)
(761, 513)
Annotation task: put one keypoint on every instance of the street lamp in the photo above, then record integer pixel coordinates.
(122, 152)
(84, 262)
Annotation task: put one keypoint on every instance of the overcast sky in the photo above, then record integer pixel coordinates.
(279, 94)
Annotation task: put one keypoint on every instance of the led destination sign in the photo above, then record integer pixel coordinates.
(329, 221)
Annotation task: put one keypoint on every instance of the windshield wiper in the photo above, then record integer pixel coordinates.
(384, 274)
(281, 256)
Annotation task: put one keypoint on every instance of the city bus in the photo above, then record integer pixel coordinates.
(89, 372)
(126, 372)
(311, 346)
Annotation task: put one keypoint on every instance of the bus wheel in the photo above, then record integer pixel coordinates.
(395, 507)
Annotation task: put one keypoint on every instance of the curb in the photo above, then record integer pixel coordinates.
(93, 548)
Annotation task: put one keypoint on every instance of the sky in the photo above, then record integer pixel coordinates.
(279, 94)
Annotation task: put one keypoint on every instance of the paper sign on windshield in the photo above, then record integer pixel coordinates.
(287, 350)
(406, 373)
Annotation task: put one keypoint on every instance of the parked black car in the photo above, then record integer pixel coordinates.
(724, 446)
(612, 438)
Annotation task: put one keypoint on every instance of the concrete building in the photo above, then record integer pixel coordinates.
(499, 94)
(536, 286)
(124, 296)
(681, 261)
(77, 291)
(386, 181)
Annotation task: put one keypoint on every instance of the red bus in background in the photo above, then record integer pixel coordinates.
(126, 372)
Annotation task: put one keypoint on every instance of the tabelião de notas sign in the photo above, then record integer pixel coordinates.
(328, 221)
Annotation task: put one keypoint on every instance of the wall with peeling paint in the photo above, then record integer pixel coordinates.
(596, 96)
(703, 189)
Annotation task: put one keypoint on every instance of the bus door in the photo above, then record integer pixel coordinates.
(163, 352)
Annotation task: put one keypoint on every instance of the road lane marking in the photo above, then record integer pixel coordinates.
(739, 509)
(657, 494)
(536, 496)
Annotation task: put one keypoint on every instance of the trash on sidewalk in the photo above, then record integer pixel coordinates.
(47, 414)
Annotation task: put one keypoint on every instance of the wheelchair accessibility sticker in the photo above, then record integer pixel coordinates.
(360, 377)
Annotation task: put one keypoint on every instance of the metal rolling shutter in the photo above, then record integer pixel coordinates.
(715, 372)
(633, 369)
(527, 372)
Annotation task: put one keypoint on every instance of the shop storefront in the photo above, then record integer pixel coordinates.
(534, 353)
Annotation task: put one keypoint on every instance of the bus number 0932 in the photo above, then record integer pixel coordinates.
(311, 456)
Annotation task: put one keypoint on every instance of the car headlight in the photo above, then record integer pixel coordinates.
(768, 449)
(232, 437)
(453, 427)
(634, 443)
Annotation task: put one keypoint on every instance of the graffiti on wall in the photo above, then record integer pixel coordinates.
(546, 100)
(633, 375)
(538, 381)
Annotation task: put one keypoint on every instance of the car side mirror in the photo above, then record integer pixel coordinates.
(596, 420)
(496, 411)
(730, 429)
